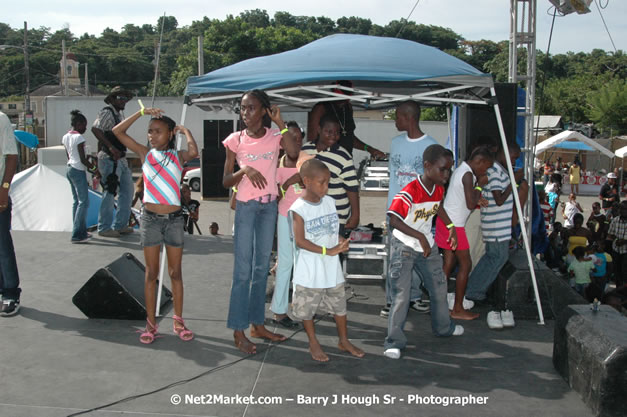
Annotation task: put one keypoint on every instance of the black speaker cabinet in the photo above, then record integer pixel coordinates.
(117, 291)
(213, 157)
(481, 121)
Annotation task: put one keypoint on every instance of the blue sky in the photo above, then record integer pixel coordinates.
(473, 19)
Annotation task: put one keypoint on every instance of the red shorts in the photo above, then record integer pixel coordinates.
(441, 235)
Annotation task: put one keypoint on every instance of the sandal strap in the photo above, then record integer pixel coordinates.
(183, 333)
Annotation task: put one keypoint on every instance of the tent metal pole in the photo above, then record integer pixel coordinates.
(526, 240)
(163, 253)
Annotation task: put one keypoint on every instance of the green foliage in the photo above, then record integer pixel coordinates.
(608, 106)
(434, 114)
(582, 87)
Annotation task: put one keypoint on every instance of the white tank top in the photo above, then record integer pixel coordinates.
(455, 200)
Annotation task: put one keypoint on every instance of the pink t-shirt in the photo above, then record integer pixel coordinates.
(260, 154)
(292, 193)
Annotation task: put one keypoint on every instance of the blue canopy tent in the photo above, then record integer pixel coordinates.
(384, 72)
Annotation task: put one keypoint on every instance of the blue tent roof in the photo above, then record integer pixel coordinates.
(578, 146)
(366, 60)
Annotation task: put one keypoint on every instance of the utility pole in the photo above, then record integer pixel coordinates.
(86, 81)
(26, 70)
(201, 56)
(64, 69)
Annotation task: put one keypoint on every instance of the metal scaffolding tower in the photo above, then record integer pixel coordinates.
(522, 37)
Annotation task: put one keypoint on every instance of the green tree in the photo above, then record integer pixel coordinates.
(608, 106)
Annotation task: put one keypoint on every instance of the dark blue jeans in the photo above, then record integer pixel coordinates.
(9, 278)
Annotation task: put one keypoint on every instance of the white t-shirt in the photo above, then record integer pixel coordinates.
(8, 144)
(71, 140)
(455, 200)
(570, 209)
(312, 270)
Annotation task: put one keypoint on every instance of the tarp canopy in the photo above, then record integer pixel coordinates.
(621, 152)
(574, 146)
(42, 201)
(384, 71)
(571, 138)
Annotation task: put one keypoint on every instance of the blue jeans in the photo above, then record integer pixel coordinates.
(416, 292)
(78, 183)
(254, 234)
(403, 260)
(9, 278)
(487, 269)
(125, 194)
(284, 268)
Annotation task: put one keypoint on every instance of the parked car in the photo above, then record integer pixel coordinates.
(189, 165)
(192, 178)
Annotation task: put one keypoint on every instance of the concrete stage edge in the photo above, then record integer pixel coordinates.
(56, 362)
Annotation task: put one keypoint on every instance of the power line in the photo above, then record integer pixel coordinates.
(407, 19)
(604, 24)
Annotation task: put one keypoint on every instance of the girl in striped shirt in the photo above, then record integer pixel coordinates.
(162, 217)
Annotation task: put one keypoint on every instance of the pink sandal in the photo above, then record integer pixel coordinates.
(148, 336)
(183, 332)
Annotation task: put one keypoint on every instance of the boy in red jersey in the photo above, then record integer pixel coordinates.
(412, 244)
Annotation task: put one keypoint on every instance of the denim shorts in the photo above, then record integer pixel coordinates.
(156, 229)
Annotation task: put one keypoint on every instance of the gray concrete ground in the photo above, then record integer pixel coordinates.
(56, 362)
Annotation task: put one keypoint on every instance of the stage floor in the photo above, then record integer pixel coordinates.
(56, 362)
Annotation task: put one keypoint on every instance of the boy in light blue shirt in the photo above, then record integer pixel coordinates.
(406, 165)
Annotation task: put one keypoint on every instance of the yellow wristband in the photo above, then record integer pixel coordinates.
(282, 191)
(284, 131)
(478, 188)
(324, 250)
(450, 225)
(141, 111)
(234, 188)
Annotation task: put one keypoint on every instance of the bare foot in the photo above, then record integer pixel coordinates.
(243, 344)
(262, 333)
(316, 352)
(346, 346)
(462, 314)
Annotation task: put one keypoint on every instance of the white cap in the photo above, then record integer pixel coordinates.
(611, 175)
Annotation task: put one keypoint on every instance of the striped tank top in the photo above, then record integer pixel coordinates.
(162, 177)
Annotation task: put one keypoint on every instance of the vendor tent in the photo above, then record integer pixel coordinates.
(569, 139)
(621, 152)
(384, 72)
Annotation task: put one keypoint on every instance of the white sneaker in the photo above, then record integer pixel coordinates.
(507, 317)
(459, 330)
(467, 304)
(494, 320)
(392, 353)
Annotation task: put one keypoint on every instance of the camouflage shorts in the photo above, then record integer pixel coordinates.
(307, 301)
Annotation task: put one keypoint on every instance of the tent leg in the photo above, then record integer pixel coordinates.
(526, 240)
(161, 273)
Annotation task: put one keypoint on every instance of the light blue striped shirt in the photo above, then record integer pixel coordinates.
(496, 221)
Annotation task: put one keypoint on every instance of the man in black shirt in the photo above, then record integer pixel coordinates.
(609, 192)
(342, 111)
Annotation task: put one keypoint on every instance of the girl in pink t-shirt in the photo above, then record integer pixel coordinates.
(290, 187)
(255, 149)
